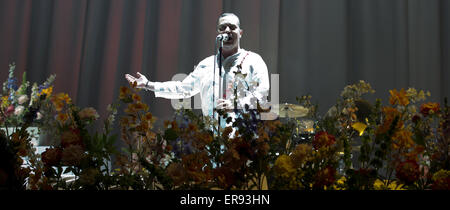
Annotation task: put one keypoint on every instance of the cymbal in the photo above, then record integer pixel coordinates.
(290, 110)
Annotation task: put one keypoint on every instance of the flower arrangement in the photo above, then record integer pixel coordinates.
(19, 105)
(76, 149)
(357, 145)
(18, 111)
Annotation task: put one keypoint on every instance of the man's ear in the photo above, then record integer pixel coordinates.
(241, 32)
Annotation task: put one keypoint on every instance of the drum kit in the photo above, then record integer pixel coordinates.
(304, 127)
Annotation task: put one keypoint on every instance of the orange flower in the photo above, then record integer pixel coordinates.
(402, 139)
(148, 116)
(62, 118)
(192, 127)
(59, 100)
(398, 97)
(124, 92)
(130, 109)
(124, 121)
(140, 106)
(226, 132)
(58, 105)
(429, 108)
(323, 139)
(136, 97)
(390, 114)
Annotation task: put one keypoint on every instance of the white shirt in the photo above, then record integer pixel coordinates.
(254, 86)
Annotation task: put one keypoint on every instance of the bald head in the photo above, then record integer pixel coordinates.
(232, 15)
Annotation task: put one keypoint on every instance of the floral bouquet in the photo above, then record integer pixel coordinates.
(18, 111)
(19, 105)
(79, 158)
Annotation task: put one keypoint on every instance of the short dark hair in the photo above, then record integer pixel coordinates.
(229, 14)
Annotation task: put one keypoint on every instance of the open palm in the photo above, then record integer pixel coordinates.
(141, 80)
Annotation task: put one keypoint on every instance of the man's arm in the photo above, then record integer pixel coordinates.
(170, 89)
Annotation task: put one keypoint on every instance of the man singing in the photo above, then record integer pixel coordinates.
(243, 78)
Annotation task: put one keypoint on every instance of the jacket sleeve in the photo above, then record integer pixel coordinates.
(187, 88)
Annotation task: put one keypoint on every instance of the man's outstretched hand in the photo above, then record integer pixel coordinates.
(141, 81)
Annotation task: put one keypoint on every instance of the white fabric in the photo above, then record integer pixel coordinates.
(254, 86)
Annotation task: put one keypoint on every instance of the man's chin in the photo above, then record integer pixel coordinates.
(228, 45)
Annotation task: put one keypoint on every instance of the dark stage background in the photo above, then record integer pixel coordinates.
(316, 46)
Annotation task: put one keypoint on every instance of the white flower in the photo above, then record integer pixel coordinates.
(18, 110)
(88, 113)
(38, 116)
(22, 99)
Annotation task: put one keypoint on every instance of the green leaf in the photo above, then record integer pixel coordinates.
(170, 134)
(418, 138)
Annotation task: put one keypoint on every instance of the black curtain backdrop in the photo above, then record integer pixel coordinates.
(316, 46)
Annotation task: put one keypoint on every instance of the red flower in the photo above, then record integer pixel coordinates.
(323, 139)
(429, 108)
(408, 171)
(51, 156)
(71, 137)
(325, 177)
(441, 184)
(9, 110)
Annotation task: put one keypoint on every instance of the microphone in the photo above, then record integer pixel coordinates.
(223, 37)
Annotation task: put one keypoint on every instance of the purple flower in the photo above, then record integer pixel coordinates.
(181, 147)
(42, 87)
(12, 83)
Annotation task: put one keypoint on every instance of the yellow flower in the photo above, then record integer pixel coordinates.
(441, 180)
(398, 97)
(140, 106)
(5, 101)
(63, 97)
(380, 185)
(340, 182)
(59, 100)
(284, 166)
(301, 154)
(48, 92)
(360, 127)
(124, 92)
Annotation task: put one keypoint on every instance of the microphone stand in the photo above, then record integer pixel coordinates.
(218, 54)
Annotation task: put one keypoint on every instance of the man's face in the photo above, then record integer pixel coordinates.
(229, 25)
